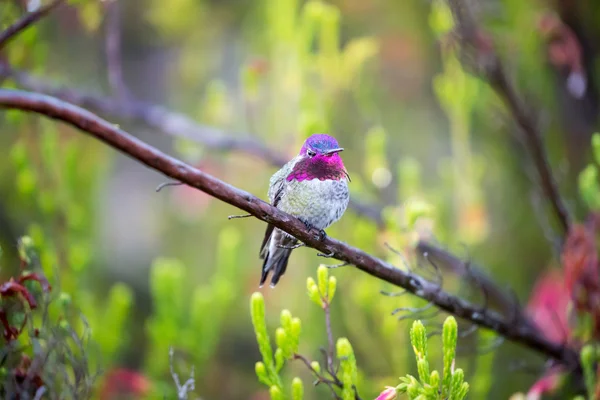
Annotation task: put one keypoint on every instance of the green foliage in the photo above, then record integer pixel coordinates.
(41, 352)
(590, 356)
(278, 71)
(322, 291)
(348, 370)
(589, 186)
(287, 340)
(109, 319)
(428, 386)
(190, 318)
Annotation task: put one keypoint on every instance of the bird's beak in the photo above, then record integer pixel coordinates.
(332, 151)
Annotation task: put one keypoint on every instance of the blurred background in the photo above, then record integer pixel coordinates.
(430, 149)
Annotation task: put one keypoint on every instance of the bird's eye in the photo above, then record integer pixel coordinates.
(311, 153)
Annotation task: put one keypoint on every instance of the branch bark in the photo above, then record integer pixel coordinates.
(169, 123)
(26, 21)
(514, 330)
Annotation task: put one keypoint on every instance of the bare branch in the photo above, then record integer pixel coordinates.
(169, 123)
(113, 136)
(25, 22)
(320, 378)
(478, 53)
(113, 49)
(498, 297)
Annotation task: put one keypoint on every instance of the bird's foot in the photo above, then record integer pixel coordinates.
(332, 266)
(300, 244)
(321, 234)
(326, 255)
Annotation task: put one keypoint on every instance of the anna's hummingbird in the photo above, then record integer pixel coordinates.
(313, 187)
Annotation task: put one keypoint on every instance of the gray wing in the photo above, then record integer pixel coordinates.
(276, 188)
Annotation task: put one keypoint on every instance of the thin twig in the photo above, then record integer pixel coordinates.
(523, 333)
(167, 184)
(331, 345)
(114, 61)
(320, 378)
(26, 21)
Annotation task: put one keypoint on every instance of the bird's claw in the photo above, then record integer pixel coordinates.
(328, 255)
(321, 234)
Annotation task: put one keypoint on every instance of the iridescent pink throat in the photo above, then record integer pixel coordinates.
(319, 167)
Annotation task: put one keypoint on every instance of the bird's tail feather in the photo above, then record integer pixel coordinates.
(276, 262)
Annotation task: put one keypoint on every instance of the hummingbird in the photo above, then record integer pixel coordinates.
(312, 187)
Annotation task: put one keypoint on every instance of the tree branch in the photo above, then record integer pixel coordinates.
(478, 53)
(169, 123)
(26, 21)
(176, 169)
(475, 276)
(113, 49)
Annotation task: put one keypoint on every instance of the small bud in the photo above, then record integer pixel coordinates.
(456, 384)
(64, 299)
(322, 279)
(281, 338)
(313, 292)
(418, 338)
(286, 319)
(389, 393)
(64, 325)
(25, 248)
(344, 348)
(257, 308)
(316, 366)
(331, 288)
(279, 359)
(261, 373)
(297, 389)
(434, 379)
(276, 393)
(295, 331)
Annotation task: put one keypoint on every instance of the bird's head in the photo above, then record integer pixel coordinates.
(319, 158)
(321, 147)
